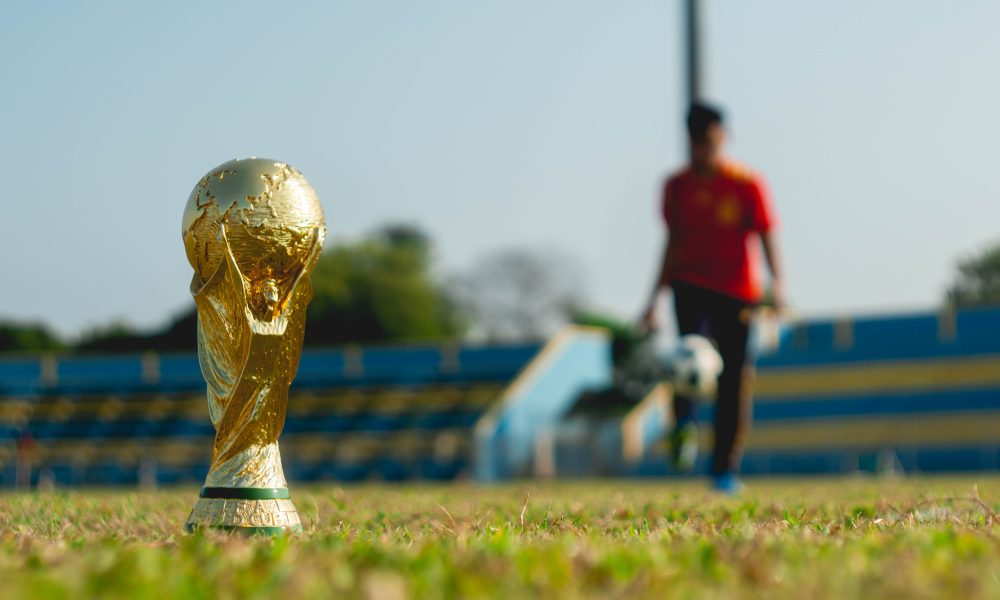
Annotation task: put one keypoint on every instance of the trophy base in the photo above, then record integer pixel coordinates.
(266, 511)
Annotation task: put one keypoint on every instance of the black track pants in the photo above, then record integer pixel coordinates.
(726, 320)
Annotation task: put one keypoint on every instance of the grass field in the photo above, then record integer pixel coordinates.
(831, 538)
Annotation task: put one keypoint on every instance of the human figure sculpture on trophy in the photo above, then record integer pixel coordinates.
(253, 231)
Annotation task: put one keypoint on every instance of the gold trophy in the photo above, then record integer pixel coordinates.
(253, 231)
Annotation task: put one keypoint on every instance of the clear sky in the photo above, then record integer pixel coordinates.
(494, 124)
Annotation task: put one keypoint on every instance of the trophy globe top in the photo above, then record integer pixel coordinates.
(266, 216)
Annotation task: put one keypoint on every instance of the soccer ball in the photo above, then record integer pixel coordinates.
(693, 366)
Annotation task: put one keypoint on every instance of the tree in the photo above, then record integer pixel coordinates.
(27, 337)
(380, 289)
(179, 335)
(519, 294)
(977, 282)
(115, 337)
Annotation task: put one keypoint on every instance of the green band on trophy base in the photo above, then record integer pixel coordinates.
(245, 493)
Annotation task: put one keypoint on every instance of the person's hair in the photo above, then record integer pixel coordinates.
(700, 117)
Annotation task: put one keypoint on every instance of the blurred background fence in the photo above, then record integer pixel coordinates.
(909, 392)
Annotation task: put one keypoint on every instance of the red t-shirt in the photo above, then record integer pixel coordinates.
(711, 219)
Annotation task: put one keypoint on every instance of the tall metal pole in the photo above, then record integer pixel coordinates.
(693, 37)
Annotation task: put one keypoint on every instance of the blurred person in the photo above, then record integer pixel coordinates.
(25, 459)
(718, 214)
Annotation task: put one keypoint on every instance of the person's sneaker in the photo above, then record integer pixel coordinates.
(727, 483)
(683, 441)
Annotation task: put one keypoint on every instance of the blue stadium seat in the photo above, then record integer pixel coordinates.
(439, 470)
(180, 373)
(320, 369)
(433, 420)
(100, 375)
(939, 460)
(349, 472)
(977, 330)
(884, 403)
(19, 376)
(390, 468)
(372, 421)
(401, 366)
(63, 474)
(493, 363)
(913, 336)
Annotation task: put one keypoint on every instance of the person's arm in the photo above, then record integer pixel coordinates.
(764, 222)
(662, 282)
(775, 264)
